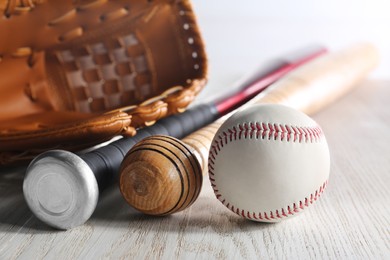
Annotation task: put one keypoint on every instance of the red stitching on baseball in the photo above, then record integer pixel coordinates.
(291, 209)
(266, 131)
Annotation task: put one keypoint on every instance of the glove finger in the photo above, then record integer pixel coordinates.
(66, 130)
(37, 25)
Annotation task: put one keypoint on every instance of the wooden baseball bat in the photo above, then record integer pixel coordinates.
(308, 89)
(162, 175)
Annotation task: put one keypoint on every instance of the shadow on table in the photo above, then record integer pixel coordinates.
(113, 212)
(112, 207)
(15, 215)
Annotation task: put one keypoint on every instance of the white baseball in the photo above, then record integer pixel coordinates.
(269, 162)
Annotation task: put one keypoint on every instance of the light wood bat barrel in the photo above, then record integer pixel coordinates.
(308, 89)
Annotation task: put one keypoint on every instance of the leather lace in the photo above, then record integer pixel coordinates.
(19, 6)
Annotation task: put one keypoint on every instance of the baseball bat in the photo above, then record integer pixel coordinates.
(62, 188)
(308, 89)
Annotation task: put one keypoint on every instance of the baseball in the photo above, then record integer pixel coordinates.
(268, 163)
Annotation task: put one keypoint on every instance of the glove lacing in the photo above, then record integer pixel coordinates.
(19, 6)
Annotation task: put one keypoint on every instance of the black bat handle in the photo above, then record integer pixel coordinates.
(105, 161)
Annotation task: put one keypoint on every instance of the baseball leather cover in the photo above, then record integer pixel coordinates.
(77, 73)
(269, 162)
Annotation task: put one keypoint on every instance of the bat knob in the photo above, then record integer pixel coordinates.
(60, 189)
(160, 176)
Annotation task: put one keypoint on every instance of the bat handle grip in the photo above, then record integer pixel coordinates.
(105, 162)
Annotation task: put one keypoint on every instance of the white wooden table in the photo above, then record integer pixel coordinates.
(350, 221)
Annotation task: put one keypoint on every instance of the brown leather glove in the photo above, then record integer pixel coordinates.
(76, 73)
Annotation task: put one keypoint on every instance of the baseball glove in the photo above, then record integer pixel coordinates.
(74, 74)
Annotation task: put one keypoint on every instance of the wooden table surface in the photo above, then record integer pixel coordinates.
(350, 221)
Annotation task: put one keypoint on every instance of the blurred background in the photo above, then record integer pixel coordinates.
(242, 34)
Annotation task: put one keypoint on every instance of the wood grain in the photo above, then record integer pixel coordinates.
(350, 221)
(160, 176)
